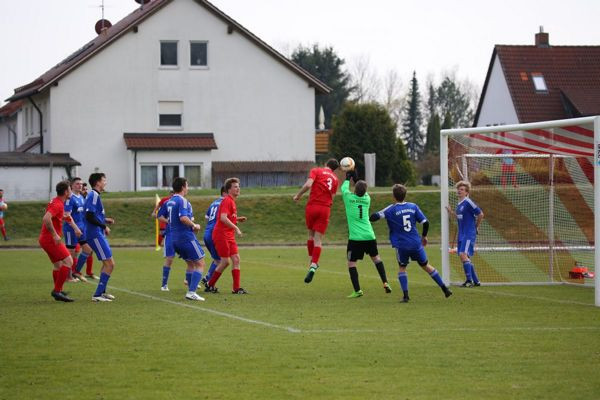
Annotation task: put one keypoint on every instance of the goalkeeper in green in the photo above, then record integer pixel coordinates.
(361, 238)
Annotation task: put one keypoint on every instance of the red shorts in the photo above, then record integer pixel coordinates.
(56, 252)
(317, 217)
(226, 247)
(506, 168)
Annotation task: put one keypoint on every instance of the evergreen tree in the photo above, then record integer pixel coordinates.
(450, 99)
(403, 170)
(411, 127)
(432, 143)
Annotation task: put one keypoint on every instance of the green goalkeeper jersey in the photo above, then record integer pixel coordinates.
(357, 214)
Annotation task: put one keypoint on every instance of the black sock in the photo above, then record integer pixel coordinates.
(381, 270)
(405, 294)
(354, 278)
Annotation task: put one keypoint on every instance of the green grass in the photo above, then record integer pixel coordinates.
(288, 339)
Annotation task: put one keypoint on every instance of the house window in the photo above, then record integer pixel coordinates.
(149, 175)
(199, 54)
(169, 172)
(170, 114)
(168, 53)
(193, 174)
(539, 82)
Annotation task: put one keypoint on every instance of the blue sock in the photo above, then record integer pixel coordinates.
(166, 271)
(196, 277)
(102, 284)
(437, 278)
(467, 267)
(212, 268)
(81, 261)
(188, 277)
(473, 274)
(403, 278)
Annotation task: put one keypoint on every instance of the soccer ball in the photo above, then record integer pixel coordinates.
(4, 207)
(347, 164)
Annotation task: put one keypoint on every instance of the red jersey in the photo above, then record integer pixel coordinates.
(56, 207)
(227, 207)
(162, 225)
(325, 184)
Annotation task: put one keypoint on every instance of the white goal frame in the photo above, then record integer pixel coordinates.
(444, 176)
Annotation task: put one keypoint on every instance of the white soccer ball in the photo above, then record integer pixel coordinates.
(347, 164)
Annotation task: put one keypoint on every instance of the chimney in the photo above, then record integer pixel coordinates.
(542, 38)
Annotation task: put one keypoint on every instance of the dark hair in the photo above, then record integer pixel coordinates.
(84, 184)
(62, 187)
(360, 188)
(95, 178)
(229, 183)
(75, 179)
(399, 192)
(332, 164)
(178, 184)
(223, 190)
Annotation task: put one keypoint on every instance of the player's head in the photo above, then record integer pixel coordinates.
(463, 184)
(332, 164)
(1, 193)
(76, 184)
(232, 186)
(63, 188)
(360, 188)
(223, 191)
(399, 192)
(97, 181)
(180, 185)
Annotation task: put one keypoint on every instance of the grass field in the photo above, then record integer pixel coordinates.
(287, 339)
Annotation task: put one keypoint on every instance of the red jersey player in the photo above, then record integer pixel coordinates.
(50, 240)
(224, 237)
(161, 224)
(323, 184)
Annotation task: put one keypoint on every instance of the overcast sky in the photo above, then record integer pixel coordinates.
(429, 36)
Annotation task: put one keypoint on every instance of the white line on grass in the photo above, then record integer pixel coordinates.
(511, 329)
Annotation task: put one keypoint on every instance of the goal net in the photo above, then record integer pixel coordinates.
(535, 185)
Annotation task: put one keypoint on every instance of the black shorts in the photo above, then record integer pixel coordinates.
(357, 248)
(81, 243)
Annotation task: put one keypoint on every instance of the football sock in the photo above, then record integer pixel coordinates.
(211, 269)
(437, 278)
(74, 265)
(188, 277)
(467, 268)
(354, 278)
(63, 274)
(235, 274)
(196, 277)
(165, 277)
(316, 254)
(54, 275)
(310, 245)
(214, 278)
(89, 263)
(3, 232)
(381, 271)
(83, 257)
(473, 273)
(403, 278)
(101, 288)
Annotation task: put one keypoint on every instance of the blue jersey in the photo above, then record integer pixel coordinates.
(211, 216)
(175, 208)
(402, 219)
(75, 206)
(93, 204)
(466, 213)
(1, 211)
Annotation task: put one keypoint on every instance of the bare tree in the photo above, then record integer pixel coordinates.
(393, 99)
(364, 80)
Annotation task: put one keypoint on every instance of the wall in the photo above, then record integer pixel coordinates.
(497, 107)
(30, 183)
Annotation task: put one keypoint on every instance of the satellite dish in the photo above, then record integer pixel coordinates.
(142, 2)
(101, 25)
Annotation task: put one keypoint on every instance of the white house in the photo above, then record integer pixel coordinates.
(169, 90)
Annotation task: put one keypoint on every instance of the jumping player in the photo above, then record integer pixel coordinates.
(402, 218)
(323, 184)
(96, 232)
(224, 238)
(50, 240)
(211, 221)
(3, 207)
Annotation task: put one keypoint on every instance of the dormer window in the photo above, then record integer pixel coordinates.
(539, 83)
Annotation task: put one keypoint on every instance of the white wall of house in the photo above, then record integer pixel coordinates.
(8, 139)
(497, 107)
(181, 159)
(30, 183)
(257, 108)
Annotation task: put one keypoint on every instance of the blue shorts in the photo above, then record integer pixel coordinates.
(101, 247)
(168, 250)
(466, 246)
(189, 250)
(417, 255)
(210, 246)
(71, 238)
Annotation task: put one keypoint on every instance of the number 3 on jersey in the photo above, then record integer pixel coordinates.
(329, 184)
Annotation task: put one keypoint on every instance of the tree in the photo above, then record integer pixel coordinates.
(403, 170)
(411, 127)
(450, 99)
(366, 128)
(432, 140)
(365, 83)
(325, 65)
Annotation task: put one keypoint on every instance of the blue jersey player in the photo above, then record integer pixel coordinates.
(211, 221)
(182, 228)
(96, 231)
(402, 218)
(468, 217)
(168, 249)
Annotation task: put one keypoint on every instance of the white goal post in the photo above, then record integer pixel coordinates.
(537, 182)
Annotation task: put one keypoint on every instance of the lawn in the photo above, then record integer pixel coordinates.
(287, 339)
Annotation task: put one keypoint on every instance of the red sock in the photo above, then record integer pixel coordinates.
(235, 273)
(3, 231)
(310, 245)
(74, 266)
(54, 275)
(63, 274)
(316, 254)
(88, 265)
(214, 278)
